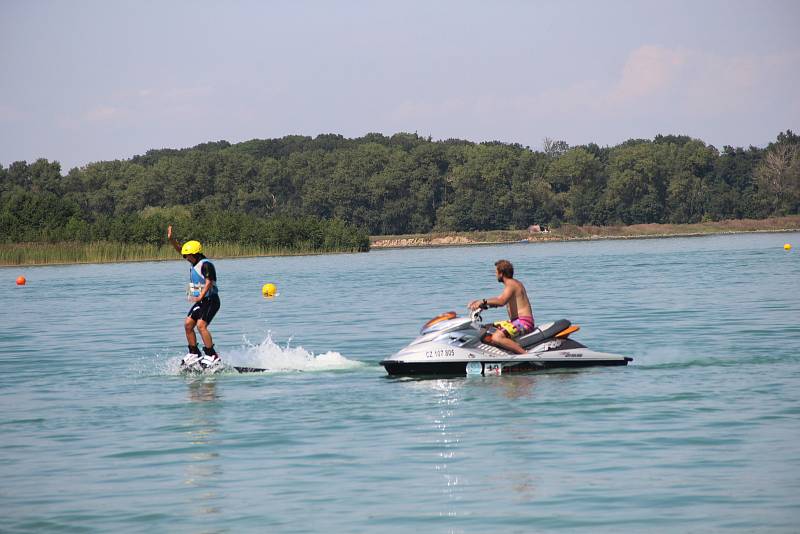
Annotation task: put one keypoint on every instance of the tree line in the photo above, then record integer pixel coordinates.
(330, 191)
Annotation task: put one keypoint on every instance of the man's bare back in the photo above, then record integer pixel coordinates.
(518, 303)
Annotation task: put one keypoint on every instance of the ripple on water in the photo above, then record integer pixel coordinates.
(699, 433)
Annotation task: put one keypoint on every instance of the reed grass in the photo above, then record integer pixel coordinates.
(109, 252)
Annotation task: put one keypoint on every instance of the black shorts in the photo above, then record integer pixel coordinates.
(206, 309)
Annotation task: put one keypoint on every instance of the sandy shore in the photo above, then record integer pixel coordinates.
(584, 233)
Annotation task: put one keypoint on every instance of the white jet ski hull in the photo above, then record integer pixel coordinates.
(455, 347)
(455, 361)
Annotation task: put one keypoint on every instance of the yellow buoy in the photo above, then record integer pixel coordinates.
(787, 246)
(269, 290)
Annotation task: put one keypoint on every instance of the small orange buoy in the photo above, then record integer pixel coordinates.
(21, 280)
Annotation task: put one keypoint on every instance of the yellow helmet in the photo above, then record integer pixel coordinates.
(192, 247)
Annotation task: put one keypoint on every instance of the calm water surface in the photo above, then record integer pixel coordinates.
(700, 433)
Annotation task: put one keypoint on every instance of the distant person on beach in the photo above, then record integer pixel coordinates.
(204, 294)
(520, 312)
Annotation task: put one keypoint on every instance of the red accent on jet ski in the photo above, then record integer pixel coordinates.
(439, 318)
(566, 332)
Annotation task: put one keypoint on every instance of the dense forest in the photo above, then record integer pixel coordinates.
(330, 191)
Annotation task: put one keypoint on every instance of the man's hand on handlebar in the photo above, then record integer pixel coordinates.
(478, 305)
(475, 315)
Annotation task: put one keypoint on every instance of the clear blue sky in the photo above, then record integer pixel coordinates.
(83, 81)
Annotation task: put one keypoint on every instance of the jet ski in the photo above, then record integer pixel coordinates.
(452, 345)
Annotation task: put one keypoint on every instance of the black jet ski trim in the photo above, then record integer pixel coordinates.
(456, 346)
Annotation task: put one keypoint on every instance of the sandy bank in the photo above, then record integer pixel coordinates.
(571, 233)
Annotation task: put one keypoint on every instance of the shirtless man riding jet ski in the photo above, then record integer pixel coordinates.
(520, 313)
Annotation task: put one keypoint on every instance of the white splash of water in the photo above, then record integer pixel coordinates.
(266, 355)
(274, 358)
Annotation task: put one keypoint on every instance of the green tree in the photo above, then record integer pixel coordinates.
(778, 178)
(577, 176)
(636, 188)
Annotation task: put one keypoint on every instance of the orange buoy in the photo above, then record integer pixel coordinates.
(21, 280)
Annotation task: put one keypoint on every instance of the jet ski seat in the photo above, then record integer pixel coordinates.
(543, 332)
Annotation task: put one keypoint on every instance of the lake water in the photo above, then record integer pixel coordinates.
(700, 433)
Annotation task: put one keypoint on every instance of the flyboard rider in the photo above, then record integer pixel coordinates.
(204, 294)
(520, 312)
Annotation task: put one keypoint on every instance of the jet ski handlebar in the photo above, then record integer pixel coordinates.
(475, 315)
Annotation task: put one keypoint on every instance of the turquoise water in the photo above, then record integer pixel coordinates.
(700, 433)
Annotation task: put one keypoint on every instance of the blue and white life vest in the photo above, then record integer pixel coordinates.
(197, 281)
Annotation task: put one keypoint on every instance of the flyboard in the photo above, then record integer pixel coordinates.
(204, 365)
(201, 364)
(249, 369)
(200, 367)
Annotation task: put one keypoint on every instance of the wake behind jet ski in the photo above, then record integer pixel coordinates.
(453, 345)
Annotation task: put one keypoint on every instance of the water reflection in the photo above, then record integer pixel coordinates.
(518, 482)
(448, 440)
(203, 469)
(203, 389)
(467, 405)
(514, 387)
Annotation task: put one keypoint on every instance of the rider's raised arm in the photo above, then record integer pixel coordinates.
(172, 240)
